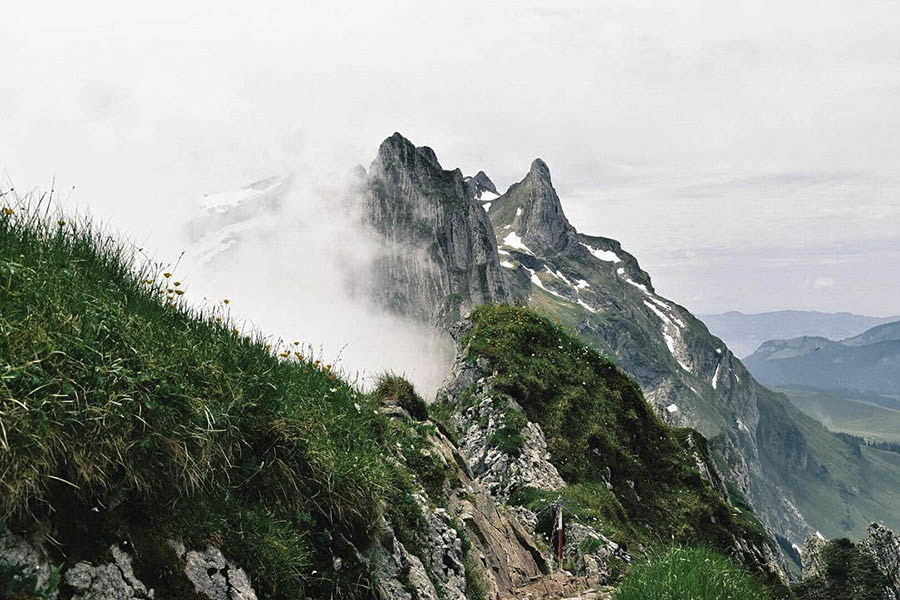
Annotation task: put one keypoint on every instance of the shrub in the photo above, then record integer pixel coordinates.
(393, 389)
(847, 574)
(690, 573)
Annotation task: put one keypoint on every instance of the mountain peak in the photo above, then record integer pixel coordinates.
(397, 148)
(533, 209)
(540, 169)
(482, 182)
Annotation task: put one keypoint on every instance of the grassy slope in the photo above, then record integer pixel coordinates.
(858, 488)
(125, 414)
(845, 412)
(594, 417)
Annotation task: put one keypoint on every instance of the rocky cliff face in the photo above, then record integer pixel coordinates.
(438, 256)
(869, 568)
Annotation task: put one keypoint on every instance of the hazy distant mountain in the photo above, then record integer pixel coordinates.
(745, 332)
(869, 362)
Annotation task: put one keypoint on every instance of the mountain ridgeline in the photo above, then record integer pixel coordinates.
(868, 362)
(454, 243)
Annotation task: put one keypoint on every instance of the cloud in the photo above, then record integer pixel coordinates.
(686, 127)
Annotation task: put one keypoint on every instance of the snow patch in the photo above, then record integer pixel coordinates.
(507, 264)
(519, 211)
(715, 379)
(620, 271)
(515, 242)
(672, 409)
(486, 206)
(604, 255)
(584, 305)
(639, 286)
(537, 281)
(582, 284)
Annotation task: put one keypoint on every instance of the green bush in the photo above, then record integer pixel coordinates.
(393, 389)
(690, 574)
(848, 574)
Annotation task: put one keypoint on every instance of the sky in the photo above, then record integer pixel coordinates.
(746, 152)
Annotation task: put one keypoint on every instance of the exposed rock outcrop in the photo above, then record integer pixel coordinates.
(884, 547)
(869, 568)
(438, 255)
(211, 574)
(110, 581)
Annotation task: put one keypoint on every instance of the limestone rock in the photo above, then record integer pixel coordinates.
(17, 552)
(111, 581)
(212, 575)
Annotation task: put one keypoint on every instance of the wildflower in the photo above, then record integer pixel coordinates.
(167, 274)
(179, 292)
(296, 343)
(234, 330)
(284, 354)
(177, 283)
(8, 211)
(226, 301)
(61, 223)
(355, 405)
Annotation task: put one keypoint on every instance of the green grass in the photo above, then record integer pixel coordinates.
(847, 413)
(690, 574)
(596, 421)
(117, 396)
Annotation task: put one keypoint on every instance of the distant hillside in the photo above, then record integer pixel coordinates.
(745, 332)
(864, 415)
(869, 362)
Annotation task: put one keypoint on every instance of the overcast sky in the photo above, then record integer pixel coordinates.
(746, 152)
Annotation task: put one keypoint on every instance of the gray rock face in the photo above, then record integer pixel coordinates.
(213, 576)
(438, 253)
(481, 183)
(884, 547)
(112, 581)
(501, 552)
(536, 213)
(18, 553)
(496, 470)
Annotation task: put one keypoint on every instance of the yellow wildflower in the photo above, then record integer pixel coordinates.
(167, 274)
(179, 292)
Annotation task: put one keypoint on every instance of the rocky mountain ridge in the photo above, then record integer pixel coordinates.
(770, 452)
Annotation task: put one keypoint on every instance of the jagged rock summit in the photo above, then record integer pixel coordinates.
(439, 256)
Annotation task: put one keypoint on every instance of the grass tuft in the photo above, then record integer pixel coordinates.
(690, 573)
